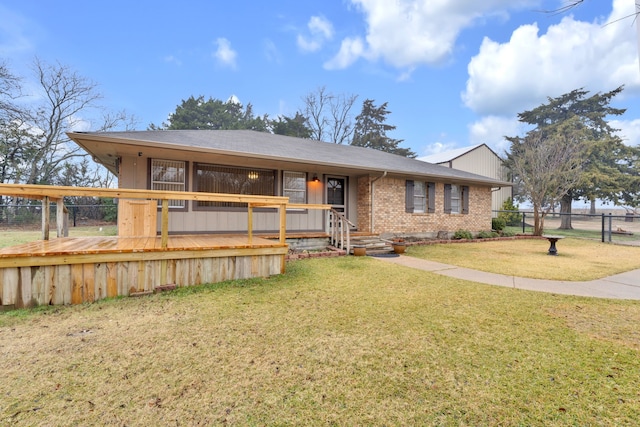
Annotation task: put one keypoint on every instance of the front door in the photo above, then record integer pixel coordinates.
(337, 193)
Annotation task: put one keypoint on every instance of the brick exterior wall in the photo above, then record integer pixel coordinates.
(390, 215)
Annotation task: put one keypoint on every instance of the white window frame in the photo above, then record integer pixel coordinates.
(420, 201)
(455, 199)
(300, 193)
(170, 185)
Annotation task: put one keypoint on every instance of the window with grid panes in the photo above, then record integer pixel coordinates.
(232, 180)
(455, 199)
(419, 197)
(294, 186)
(169, 175)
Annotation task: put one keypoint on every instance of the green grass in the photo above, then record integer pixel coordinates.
(345, 341)
(15, 237)
(577, 260)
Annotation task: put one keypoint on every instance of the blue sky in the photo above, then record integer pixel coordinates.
(454, 73)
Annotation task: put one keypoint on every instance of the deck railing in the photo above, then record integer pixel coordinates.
(49, 193)
(339, 230)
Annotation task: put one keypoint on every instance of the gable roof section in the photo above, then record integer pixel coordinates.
(260, 145)
(451, 155)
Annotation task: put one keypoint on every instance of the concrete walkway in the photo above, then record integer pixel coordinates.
(621, 286)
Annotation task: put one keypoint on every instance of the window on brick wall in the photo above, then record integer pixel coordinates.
(456, 199)
(419, 197)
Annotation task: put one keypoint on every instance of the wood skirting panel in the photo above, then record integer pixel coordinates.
(28, 286)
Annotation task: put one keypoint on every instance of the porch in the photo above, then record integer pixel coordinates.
(74, 270)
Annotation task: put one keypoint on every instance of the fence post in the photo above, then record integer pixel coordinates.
(610, 224)
(524, 216)
(602, 229)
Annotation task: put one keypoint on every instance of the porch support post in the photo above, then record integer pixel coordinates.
(283, 223)
(250, 222)
(164, 239)
(45, 217)
(164, 231)
(61, 219)
(283, 234)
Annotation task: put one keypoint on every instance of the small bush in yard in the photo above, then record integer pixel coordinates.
(510, 218)
(462, 234)
(507, 233)
(487, 234)
(498, 224)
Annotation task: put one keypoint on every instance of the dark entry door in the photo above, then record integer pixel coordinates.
(336, 193)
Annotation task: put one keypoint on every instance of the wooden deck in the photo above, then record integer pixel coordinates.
(73, 270)
(70, 270)
(78, 250)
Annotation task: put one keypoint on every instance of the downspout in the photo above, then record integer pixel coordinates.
(371, 188)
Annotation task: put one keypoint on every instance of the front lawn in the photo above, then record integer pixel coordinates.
(577, 260)
(343, 341)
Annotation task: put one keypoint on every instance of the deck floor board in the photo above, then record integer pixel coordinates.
(108, 244)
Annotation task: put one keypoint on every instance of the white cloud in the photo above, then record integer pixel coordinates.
(407, 33)
(629, 131)
(224, 54)
(350, 51)
(320, 30)
(435, 148)
(521, 73)
(319, 25)
(491, 130)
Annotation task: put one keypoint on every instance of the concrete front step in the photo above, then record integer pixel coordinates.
(372, 243)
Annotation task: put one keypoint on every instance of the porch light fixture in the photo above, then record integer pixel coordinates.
(315, 178)
(253, 175)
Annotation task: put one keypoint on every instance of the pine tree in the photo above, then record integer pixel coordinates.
(371, 130)
(606, 165)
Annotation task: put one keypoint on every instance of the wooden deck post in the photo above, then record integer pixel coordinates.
(164, 239)
(283, 235)
(250, 222)
(61, 219)
(283, 223)
(164, 220)
(45, 217)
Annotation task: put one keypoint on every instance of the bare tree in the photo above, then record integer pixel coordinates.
(35, 147)
(329, 116)
(547, 166)
(67, 100)
(568, 5)
(64, 95)
(9, 90)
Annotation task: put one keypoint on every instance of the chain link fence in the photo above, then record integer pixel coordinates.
(611, 227)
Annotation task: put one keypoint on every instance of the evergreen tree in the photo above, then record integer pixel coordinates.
(291, 126)
(371, 130)
(213, 114)
(606, 162)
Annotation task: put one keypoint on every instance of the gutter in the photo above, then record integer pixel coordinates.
(371, 189)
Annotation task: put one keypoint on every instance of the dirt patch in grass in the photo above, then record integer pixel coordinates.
(340, 341)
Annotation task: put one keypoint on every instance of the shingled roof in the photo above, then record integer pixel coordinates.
(261, 145)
